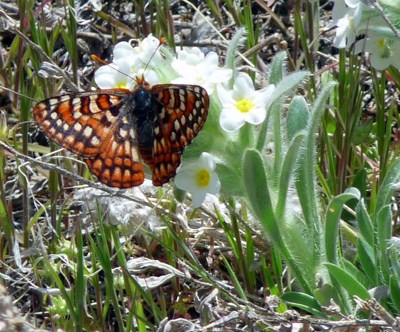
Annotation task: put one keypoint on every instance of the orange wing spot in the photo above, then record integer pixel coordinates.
(191, 99)
(109, 162)
(104, 102)
(64, 107)
(97, 166)
(165, 97)
(116, 177)
(118, 161)
(126, 177)
(106, 176)
(92, 122)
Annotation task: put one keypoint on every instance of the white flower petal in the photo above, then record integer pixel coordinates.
(198, 198)
(192, 56)
(226, 97)
(231, 120)
(215, 185)
(256, 116)
(122, 50)
(107, 76)
(220, 75)
(206, 160)
(242, 87)
(211, 60)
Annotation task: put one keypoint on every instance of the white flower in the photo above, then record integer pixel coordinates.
(383, 51)
(129, 64)
(196, 68)
(243, 103)
(345, 33)
(347, 17)
(148, 52)
(198, 178)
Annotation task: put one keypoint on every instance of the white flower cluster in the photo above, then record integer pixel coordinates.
(354, 18)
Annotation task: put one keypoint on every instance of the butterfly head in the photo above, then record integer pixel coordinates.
(140, 81)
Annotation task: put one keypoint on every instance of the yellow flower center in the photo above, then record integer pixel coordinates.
(244, 105)
(121, 85)
(203, 177)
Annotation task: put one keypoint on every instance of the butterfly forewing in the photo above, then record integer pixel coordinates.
(79, 122)
(184, 112)
(91, 125)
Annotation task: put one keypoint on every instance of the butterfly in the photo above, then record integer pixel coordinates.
(116, 130)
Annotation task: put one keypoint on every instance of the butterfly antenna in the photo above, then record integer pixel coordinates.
(162, 41)
(101, 61)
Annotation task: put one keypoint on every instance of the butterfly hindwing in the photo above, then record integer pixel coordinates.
(184, 112)
(79, 122)
(118, 165)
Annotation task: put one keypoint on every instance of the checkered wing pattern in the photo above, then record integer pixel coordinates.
(184, 112)
(91, 125)
(104, 126)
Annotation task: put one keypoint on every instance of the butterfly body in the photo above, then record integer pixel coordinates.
(115, 130)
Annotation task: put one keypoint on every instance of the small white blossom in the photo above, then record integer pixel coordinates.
(347, 17)
(243, 103)
(194, 67)
(148, 52)
(198, 178)
(129, 63)
(383, 51)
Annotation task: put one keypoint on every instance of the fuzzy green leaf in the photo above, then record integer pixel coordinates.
(333, 220)
(297, 116)
(303, 301)
(348, 282)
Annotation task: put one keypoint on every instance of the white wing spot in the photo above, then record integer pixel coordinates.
(66, 98)
(177, 126)
(44, 112)
(135, 155)
(88, 131)
(123, 132)
(78, 127)
(77, 115)
(70, 139)
(53, 102)
(95, 141)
